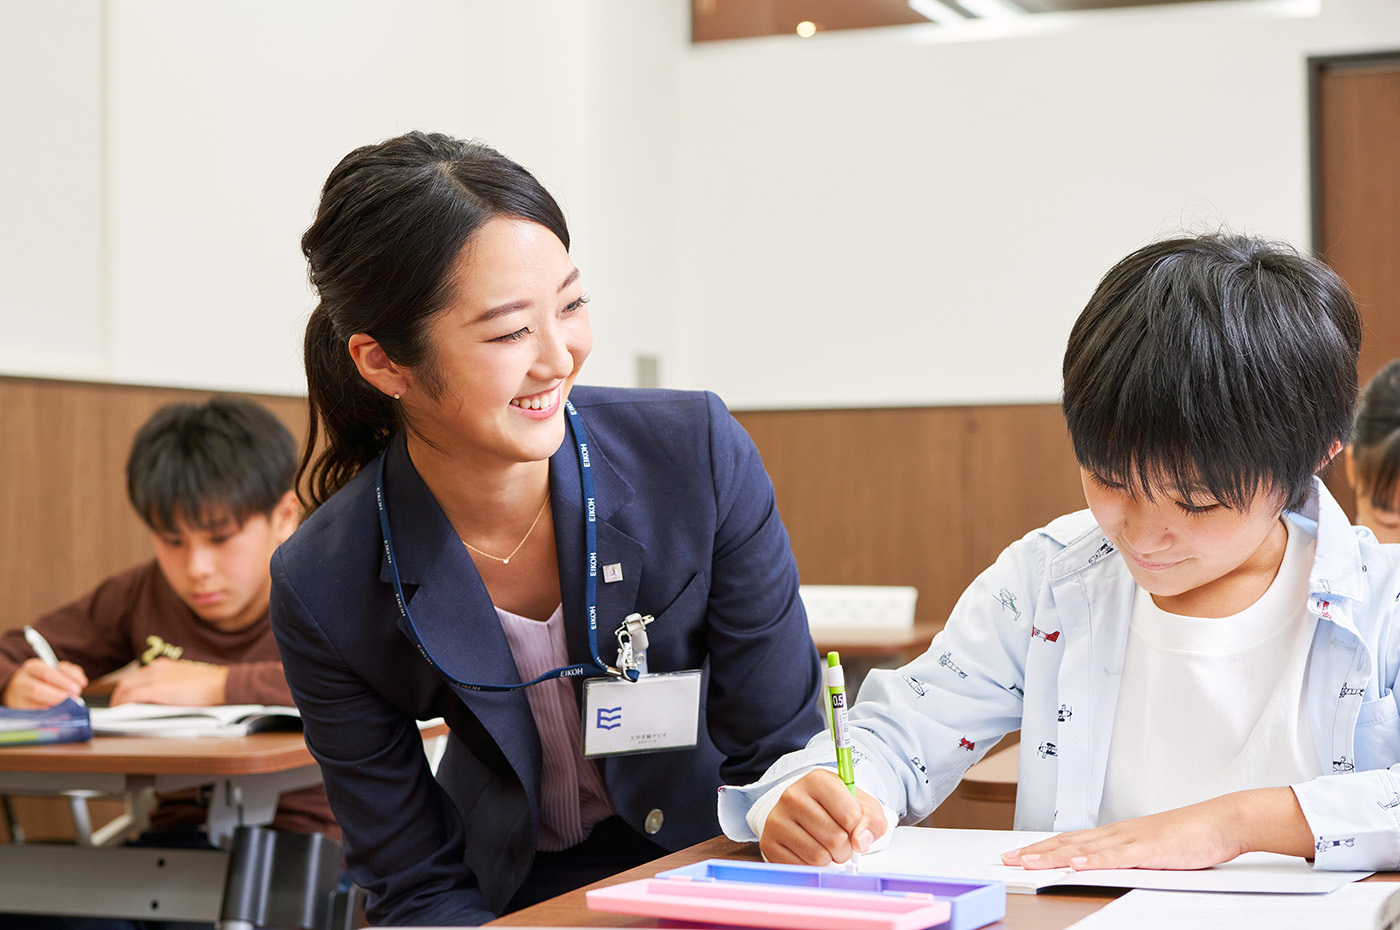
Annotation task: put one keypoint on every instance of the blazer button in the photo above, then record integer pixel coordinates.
(653, 822)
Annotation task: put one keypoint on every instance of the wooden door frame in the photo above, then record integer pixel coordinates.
(1317, 65)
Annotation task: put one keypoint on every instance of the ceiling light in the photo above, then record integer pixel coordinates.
(937, 11)
(806, 29)
(992, 9)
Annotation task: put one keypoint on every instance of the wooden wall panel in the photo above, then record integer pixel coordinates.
(923, 496)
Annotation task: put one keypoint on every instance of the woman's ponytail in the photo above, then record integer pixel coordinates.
(357, 420)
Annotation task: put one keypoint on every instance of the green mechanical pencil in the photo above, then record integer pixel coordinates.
(841, 731)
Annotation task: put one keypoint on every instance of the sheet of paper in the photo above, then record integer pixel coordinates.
(977, 854)
(1359, 906)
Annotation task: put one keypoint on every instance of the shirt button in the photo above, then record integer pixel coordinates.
(653, 822)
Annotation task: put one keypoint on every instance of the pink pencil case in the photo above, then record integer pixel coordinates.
(794, 897)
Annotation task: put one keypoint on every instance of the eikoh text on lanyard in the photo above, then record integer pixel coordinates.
(590, 593)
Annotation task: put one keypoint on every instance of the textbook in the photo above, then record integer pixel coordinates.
(63, 723)
(174, 720)
(977, 854)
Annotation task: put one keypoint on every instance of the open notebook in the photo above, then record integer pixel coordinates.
(177, 721)
(977, 854)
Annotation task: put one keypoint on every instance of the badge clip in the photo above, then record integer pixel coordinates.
(632, 643)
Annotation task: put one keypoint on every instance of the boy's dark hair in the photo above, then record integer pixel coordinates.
(1376, 445)
(201, 464)
(1218, 365)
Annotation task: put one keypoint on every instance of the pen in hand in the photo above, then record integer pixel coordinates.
(45, 652)
(841, 736)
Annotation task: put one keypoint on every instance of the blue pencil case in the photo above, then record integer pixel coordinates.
(68, 722)
(762, 894)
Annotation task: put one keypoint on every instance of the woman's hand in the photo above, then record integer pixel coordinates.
(34, 685)
(1194, 837)
(817, 822)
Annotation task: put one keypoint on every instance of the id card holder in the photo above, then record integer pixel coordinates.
(654, 713)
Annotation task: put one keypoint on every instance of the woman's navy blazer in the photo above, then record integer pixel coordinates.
(685, 507)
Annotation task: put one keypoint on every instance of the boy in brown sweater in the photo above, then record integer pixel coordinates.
(213, 482)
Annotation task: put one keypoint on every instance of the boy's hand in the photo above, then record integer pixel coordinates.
(1194, 837)
(34, 685)
(166, 681)
(817, 821)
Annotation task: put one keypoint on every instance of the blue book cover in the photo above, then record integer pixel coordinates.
(68, 722)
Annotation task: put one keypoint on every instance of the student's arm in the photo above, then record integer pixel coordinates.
(86, 635)
(1193, 837)
(257, 683)
(170, 681)
(919, 728)
(167, 681)
(32, 685)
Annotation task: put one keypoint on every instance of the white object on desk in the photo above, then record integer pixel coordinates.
(1362, 906)
(977, 854)
(865, 607)
(170, 720)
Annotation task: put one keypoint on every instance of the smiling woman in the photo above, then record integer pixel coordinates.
(485, 531)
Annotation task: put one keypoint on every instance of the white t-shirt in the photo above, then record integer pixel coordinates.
(1211, 706)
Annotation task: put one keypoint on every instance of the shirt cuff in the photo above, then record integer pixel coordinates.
(1354, 818)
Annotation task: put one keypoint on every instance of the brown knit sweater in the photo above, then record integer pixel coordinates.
(136, 615)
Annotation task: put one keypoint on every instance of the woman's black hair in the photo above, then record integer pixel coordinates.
(1376, 442)
(1217, 365)
(392, 220)
(200, 465)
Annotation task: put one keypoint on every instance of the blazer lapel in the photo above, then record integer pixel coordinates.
(454, 618)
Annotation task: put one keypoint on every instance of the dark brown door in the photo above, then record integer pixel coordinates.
(1356, 197)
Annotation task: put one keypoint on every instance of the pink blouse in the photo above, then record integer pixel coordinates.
(572, 796)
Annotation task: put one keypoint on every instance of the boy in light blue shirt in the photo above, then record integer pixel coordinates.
(1202, 663)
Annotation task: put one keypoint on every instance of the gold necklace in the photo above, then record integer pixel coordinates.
(506, 560)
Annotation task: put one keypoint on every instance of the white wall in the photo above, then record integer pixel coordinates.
(891, 217)
(227, 115)
(51, 156)
(881, 217)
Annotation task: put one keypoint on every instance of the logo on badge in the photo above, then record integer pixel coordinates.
(609, 718)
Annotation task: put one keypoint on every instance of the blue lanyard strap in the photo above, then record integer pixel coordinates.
(590, 580)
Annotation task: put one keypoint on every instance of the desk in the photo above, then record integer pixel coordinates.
(1052, 911)
(247, 775)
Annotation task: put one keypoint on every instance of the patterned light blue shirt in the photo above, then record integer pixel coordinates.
(1037, 642)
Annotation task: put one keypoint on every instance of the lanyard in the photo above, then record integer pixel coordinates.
(590, 587)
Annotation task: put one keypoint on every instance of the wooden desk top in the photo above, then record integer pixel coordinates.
(1047, 911)
(255, 754)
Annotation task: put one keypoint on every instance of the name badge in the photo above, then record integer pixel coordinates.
(654, 713)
